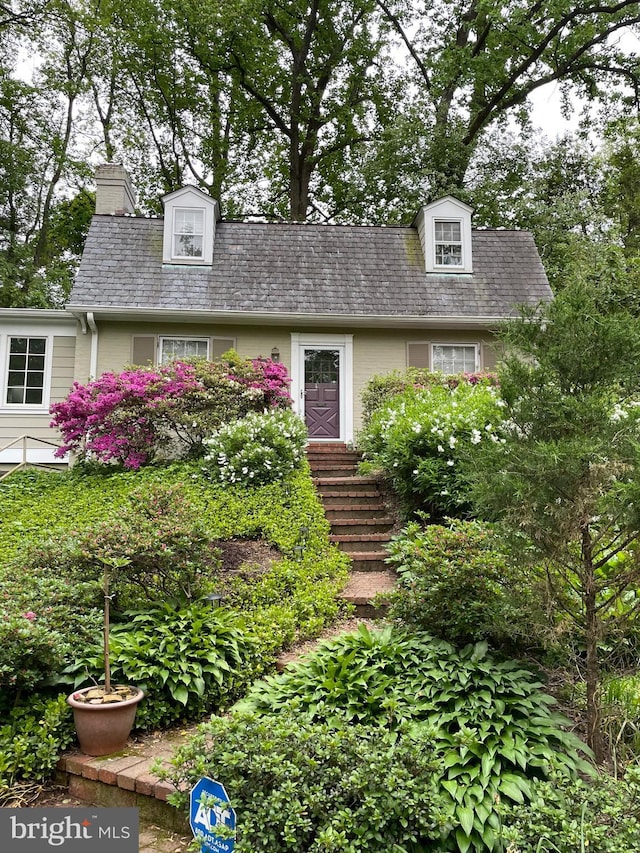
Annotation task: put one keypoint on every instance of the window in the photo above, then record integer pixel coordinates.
(188, 233)
(448, 243)
(172, 348)
(454, 358)
(26, 373)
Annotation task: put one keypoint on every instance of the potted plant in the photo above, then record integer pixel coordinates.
(104, 714)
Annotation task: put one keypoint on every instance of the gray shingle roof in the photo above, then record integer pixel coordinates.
(308, 269)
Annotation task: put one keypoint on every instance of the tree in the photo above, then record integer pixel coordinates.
(478, 62)
(567, 472)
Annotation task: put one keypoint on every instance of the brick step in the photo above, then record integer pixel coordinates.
(363, 587)
(367, 497)
(361, 526)
(352, 543)
(327, 447)
(332, 469)
(340, 485)
(355, 511)
(368, 561)
(334, 455)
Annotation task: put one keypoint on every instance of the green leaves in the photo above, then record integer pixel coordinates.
(489, 724)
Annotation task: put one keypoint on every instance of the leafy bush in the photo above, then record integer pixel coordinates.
(382, 388)
(419, 437)
(130, 417)
(260, 448)
(188, 660)
(29, 652)
(456, 582)
(31, 740)
(312, 787)
(489, 722)
(572, 816)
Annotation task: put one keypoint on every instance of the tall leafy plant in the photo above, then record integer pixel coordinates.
(565, 475)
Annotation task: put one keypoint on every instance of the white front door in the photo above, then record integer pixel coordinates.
(322, 384)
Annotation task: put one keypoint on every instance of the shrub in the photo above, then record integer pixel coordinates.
(457, 583)
(572, 816)
(490, 724)
(188, 660)
(130, 417)
(382, 388)
(31, 740)
(157, 531)
(29, 652)
(260, 448)
(419, 437)
(312, 787)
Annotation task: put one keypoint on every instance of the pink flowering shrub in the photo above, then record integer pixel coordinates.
(127, 418)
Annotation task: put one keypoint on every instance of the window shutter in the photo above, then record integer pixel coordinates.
(489, 357)
(418, 355)
(143, 349)
(220, 345)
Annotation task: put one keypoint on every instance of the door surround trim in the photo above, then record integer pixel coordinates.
(312, 340)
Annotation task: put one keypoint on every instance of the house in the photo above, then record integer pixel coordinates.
(335, 303)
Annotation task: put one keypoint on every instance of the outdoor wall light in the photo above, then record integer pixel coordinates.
(275, 354)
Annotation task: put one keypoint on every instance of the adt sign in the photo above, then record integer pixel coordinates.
(212, 819)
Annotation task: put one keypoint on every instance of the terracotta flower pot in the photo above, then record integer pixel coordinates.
(103, 728)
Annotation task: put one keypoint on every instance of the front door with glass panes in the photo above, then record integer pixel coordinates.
(322, 392)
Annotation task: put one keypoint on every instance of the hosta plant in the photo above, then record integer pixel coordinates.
(491, 725)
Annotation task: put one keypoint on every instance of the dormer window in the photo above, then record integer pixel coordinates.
(444, 227)
(448, 243)
(190, 218)
(188, 233)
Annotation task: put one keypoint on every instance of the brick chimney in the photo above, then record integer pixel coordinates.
(114, 191)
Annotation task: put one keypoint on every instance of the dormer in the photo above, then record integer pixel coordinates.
(190, 218)
(445, 234)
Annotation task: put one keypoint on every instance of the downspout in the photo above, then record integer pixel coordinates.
(93, 357)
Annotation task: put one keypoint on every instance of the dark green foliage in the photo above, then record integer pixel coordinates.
(308, 787)
(32, 737)
(489, 722)
(29, 652)
(457, 582)
(188, 660)
(571, 816)
(566, 474)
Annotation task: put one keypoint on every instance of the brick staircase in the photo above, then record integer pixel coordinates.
(360, 522)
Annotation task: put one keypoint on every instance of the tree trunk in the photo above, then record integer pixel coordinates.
(592, 675)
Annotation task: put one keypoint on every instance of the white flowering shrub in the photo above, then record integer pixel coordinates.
(259, 448)
(419, 437)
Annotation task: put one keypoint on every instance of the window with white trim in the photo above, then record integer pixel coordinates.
(26, 371)
(455, 358)
(447, 243)
(188, 232)
(171, 348)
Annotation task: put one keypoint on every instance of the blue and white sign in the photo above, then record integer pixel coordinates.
(212, 820)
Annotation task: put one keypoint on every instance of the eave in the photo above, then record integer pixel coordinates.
(333, 319)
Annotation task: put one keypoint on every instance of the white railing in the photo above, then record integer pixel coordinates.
(23, 441)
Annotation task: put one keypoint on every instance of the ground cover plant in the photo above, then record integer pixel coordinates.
(49, 617)
(490, 729)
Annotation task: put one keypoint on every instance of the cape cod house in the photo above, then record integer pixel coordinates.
(335, 303)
